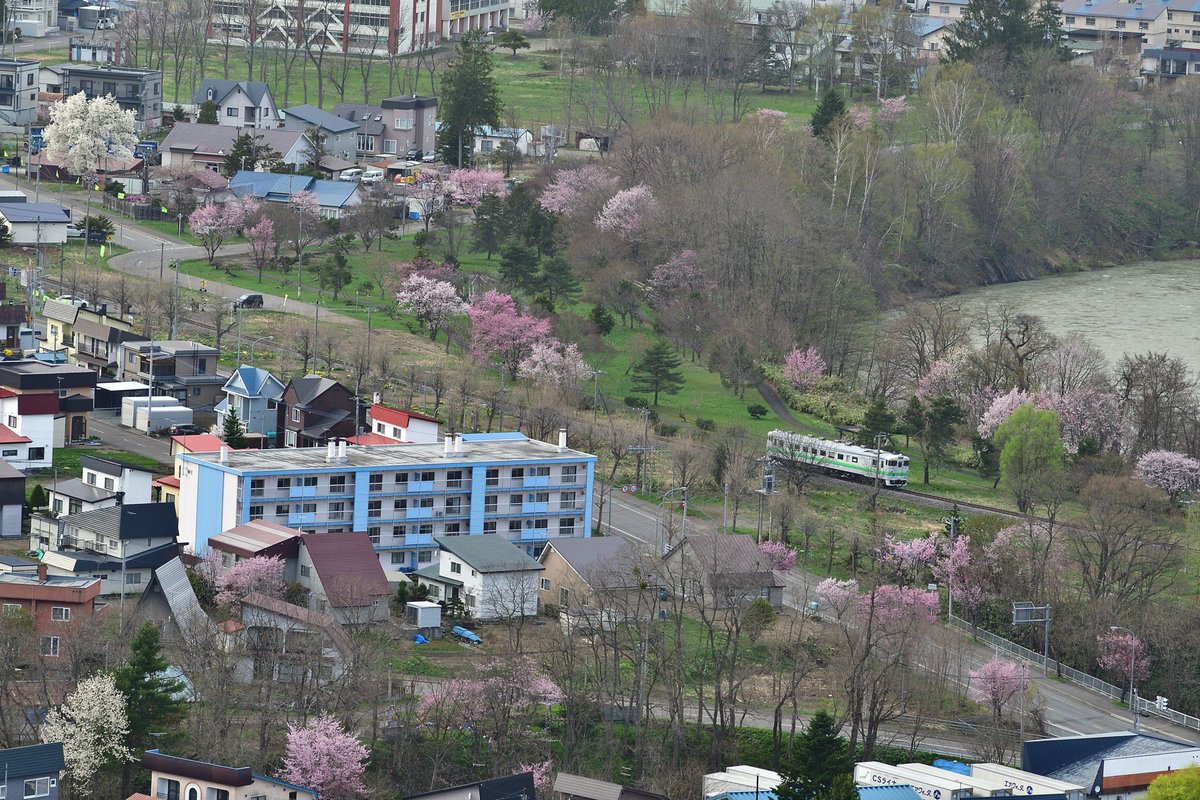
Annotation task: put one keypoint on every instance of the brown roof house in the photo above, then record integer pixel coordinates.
(258, 538)
(720, 570)
(315, 410)
(344, 578)
(597, 581)
(286, 642)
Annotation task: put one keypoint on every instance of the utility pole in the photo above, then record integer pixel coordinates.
(175, 305)
(162, 259)
(596, 373)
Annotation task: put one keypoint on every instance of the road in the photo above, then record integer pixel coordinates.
(108, 427)
(1069, 709)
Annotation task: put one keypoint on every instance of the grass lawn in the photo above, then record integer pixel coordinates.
(66, 460)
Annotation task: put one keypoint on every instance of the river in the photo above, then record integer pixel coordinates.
(1135, 308)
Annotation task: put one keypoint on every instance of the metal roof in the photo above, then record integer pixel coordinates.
(35, 760)
(34, 212)
(63, 312)
(214, 139)
(78, 490)
(896, 792)
(488, 552)
(255, 90)
(322, 119)
(348, 567)
(130, 521)
(181, 598)
(585, 788)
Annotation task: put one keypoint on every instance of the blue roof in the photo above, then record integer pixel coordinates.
(749, 795)
(32, 212)
(1179, 54)
(923, 26)
(333, 194)
(278, 188)
(1113, 9)
(322, 119)
(249, 381)
(35, 760)
(887, 793)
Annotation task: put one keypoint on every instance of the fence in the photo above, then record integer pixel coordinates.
(1145, 707)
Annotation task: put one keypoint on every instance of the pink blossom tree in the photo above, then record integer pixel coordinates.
(906, 559)
(323, 756)
(892, 109)
(840, 596)
(803, 368)
(996, 683)
(306, 212)
(215, 224)
(902, 606)
(859, 117)
(433, 302)
(470, 186)
(499, 331)
(771, 115)
(1086, 414)
(551, 362)
(579, 190)
(1174, 473)
(258, 574)
(781, 557)
(625, 212)
(537, 22)
(1117, 651)
(262, 243)
(1000, 410)
(679, 277)
(942, 380)
(543, 782)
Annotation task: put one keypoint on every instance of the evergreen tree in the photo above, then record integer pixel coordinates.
(603, 319)
(557, 279)
(658, 371)
(208, 113)
(334, 273)
(819, 758)
(469, 99)
(178, 113)
(829, 109)
(1012, 28)
(247, 152)
(877, 419)
(519, 265)
(489, 225)
(233, 433)
(153, 700)
(512, 39)
(525, 218)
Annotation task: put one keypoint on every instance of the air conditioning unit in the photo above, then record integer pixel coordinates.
(439, 513)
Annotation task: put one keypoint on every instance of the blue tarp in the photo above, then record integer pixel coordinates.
(465, 635)
(419, 639)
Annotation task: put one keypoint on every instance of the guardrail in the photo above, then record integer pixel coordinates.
(1145, 707)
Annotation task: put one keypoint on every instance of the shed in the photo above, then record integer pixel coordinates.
(423, 614)
(111, 393)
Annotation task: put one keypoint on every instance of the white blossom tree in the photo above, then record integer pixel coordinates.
(82, 133)
(92, 726)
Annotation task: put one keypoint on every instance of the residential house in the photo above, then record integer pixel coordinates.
(170, 602)
(137, 90)
(509, 787)
(252, 395)
(343, 577)
(285, 641)
(185, 370)
(721, 571)
(930, 35)
(1115, 20)
(947, 9)
(12, 500)
(96, 339)
(19, 90)
(240, 104)
(401, 495)
(315, 410)
(34, 224)
(577, 787)
(105, 483)
(12, 320)
(335, 198)
(401, 426)
(166, 488)
(395, 126)
(1164, 64)
(73, 386)
(27, 428)
(191, 146)
(607, 574)
(34, 771)
(15, 565)
(53, 603)
(259, 538)
(122, 545)
(492, 577)
(178, 778)
(340, 135)
(60, 320)
(490, 141)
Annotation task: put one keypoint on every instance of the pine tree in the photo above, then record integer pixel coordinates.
(829, 109)
(154, 701)
(557, 279)
(820, 757)
(247, 152)
(208, 113)
(1011, 28)
(603, 319)
(877, 419)
(519, 265)
(233, 433)
(657, 371)
(489, 225)
(469, 99)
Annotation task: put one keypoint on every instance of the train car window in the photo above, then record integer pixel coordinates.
(854, 459)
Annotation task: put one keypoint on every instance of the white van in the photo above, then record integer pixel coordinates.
(351, 174)
(372, 175)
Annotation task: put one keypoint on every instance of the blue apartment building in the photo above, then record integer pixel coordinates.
(402, 495)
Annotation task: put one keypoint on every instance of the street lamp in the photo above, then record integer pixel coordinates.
(658, 521)
(268, 337)
(1133, 648)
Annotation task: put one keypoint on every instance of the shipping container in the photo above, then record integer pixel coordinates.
(129, 406)
(875, 773)
(1028, 783)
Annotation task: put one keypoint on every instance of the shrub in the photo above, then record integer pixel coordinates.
(633, 401)
(705, 424)
(758, 411)
(666, 429)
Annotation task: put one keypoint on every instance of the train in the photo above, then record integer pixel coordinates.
(841, 459)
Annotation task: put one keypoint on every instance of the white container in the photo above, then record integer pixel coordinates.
(423, 614)
(129, 406)
(1027, 783)
(153, 418)
(929, 787)
(981, 785)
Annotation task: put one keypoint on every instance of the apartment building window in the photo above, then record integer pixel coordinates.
(425, 502)
(110, 88)
(258, 487)
(453, 505)
(375, 509)
(540, 472)
(308, 508)
(454, 479)
(453, 528)
(516, 501)
(373, 533)
(514, 526)
(427, 477)
(310, 481)
(424, 556)
(402, 478)
(518, 472)
(541, 524)
(398, 530)
(400, 505)
(426, 529)
(566, 500)
(570, 473)
(283, 483)
(50, 650)
(492, 477)
(490, 526)
(399, 558)
(375, 484)
(336, 510)
(256, 512)
(566, 526)
(281, 511)
(337, 484)
(541, 497)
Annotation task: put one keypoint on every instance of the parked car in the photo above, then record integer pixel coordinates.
(429, 157)
(372, 175)
(414, 154)
(74, 233)
(350, 174)
(78, 302)
(249, 301)
(184, 429)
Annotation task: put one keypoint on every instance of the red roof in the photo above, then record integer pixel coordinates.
(9, 436)
(197, 443)
(394, 416)
(169, 480)
(37, 404)
(372, 439)
(7, 392)
(348, 567)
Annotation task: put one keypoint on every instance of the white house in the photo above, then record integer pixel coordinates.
(35, 223)
(27, 429)
(240, 104)
(132, 482)
(252, 395)
(489, 140)
(122, 545)
(492, 577)
(402, 426)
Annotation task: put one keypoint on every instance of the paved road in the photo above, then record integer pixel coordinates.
(113, 434)
(1070, 710)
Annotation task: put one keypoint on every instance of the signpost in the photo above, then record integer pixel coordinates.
(1029, 614)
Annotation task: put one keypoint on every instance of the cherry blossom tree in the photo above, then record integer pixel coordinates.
(83, 133)
(470, 186)
(543, 782)
(92, 725)
(306, 212)
(433, 302)
(575, 191)
(943, 379)
(804, 367)
(859, 117)
(996, 683)
(907, 559)
(552, 362)
(771, 115)
(213, 225)
(323, 756)
(258, 574)
(841, 596)
(679, 277)
(537, 22)
(892, 109)
(781, 557)
(1174, 473)
(625, 212)
(958, 568)
(1086, 414)
(1117, 650)
(500, 331)
(262, 243)
(1000, 410)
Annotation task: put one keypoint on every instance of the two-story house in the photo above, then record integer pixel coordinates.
(315, 410)
(394, 127)
(401, 426)
(341, 135)
(252, 395)
(53, 603)
(32, 772)
(240, 104)
(178, 778)
(121, 545)
(12, 500)
(19, 90)
(105, 483)
(75, 388)
(720, 571)
(605, 574)
(191, 146)
(492, 577)
(12, 320)
(96, 339)
(137, 90)
(60, 325)
(27, 428)
(185, 370)
(344, 579)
